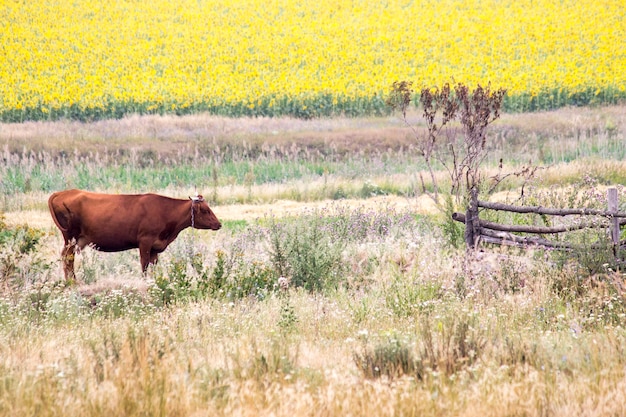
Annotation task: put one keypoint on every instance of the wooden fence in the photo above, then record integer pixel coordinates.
(477, 230)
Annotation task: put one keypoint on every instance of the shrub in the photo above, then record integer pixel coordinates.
(453, 232)
(304, 251)
(19, 262)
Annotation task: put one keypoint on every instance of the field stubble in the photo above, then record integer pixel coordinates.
(382, 314)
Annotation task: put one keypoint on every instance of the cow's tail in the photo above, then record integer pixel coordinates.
(61, 219)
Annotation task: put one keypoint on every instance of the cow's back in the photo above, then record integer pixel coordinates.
(109, 222)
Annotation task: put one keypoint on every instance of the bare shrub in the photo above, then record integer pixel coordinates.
(461, 147)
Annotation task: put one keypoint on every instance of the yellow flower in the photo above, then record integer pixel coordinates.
(190, 52)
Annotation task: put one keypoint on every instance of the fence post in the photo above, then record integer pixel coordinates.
(612, 199)
(472, 221)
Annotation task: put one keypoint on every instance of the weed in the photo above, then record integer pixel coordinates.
(361, 309)
(519, 350)
(405, 298)
(277, 362)
(392, 358)
(510, 278)
(450, 343)
(122, 303)
(162, 291)
(215, 285)
(604, 301)
(304, 251)
(254, 280)
(288, 318)
(452, 231)
(20, 264)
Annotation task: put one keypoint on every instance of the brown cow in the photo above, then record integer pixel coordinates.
(113, 223)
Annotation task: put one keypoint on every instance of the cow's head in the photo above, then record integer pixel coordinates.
(202, 217)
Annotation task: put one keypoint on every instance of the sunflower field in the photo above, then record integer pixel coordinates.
(96, 59)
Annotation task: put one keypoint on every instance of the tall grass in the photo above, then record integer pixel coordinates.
(392, 333)
(347, 307)
(262, 168)
(42, 171)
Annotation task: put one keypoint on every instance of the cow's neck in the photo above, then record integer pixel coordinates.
(182, 212)
(186, 215)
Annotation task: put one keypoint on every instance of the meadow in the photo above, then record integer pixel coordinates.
(95, 59)
(336, 287)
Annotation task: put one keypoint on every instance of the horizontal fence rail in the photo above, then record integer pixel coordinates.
(540, 230)
(549, 211)
(477, 230)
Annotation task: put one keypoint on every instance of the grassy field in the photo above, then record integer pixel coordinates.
(336, 287)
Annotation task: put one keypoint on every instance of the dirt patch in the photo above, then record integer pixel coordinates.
(41, 219)
(285, 208)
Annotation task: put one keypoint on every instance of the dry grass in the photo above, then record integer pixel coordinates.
(166, 134)
(538, 352)
(215, 358)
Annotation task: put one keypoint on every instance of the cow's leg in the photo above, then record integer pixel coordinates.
(67, 257)
(147, 256)
(154, 258)
(144, 256)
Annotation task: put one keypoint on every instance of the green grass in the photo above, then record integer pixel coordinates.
(234, 225)
(90, 172)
